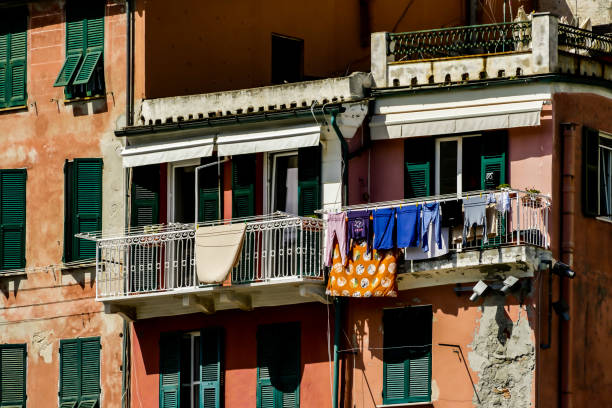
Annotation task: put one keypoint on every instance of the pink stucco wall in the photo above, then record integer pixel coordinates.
(240, 359)
(530, 153)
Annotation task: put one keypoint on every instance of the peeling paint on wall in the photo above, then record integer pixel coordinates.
(42, 345)
(503, 355)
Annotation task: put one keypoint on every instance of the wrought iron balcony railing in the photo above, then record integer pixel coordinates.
(459, 41)
(160, 258)
(576, 40)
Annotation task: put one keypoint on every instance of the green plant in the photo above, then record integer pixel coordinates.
(504, 185)
(533, 190)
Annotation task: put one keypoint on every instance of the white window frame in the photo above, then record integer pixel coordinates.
(600, 149)
(459, 140)
(192, 384)
(172, 187)
(272, 180)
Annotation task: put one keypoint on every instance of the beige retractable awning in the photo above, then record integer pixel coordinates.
(217, 251)
(169, 151)
(287, 138)
(426, 120)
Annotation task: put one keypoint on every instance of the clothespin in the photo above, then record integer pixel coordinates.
(481, 194)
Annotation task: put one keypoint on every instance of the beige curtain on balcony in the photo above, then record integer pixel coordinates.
(217, 251)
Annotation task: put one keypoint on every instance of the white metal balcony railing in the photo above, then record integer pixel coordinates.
(160, 258)
(525, 222)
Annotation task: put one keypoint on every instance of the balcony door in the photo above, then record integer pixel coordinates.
(181, 200)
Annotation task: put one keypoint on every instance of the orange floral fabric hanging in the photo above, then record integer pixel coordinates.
(365, 275)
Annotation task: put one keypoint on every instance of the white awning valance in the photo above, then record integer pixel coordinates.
(156, 153)
(287, 138)
(420, 121)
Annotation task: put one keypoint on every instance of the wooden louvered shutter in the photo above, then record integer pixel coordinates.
(4, 42)
(70, 372)
(93, 28)
(12, 218)
(13, 375)
(13, 51)
(590, 179)
(211, 388)
(90, 370)
(407, 355)
(145, 196)
(309, 180)
(243, 185)
(75, 48)
(208, 203)
(86, 205)
(265, 361)
(492, 171)
(418, 179)
(170, 371)
(289, 389)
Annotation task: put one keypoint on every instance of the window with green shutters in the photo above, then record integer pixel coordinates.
(13, 375)
(13, 55)
(83, 213)
(243, 185)
(182, 386)
(144, 211)
(82, 73)
(12, 218)
(407, 355)
(278, 365)
(309, 180)
(418, 167)
(80, 373)
(208, 192)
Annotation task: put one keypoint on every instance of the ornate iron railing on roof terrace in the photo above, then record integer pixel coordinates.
(459, 41)
(575, 40)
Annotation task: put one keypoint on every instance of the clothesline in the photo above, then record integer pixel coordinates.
(429, 199)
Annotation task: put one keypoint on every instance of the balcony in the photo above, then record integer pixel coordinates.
(521, 241)
(512, 50)
(151, 271)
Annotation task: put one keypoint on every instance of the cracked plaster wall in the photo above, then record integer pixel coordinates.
(503, 355)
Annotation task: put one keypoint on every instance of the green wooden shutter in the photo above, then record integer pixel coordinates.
(590, 179)
(243, 185)
(70, 371)
(90, 370)
(208, 203)
(170, 371)
(94, 47)
(86, 205)
(211, 390)
(278, 366)
(12, 218)
(13, 375)
(75, 48)
(309, 180)
(145, 196)
(418, 179)
(407, 355)
(13, 50)
(492, 171)
(4, 42)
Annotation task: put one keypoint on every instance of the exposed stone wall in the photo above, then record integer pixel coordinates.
(503, 355)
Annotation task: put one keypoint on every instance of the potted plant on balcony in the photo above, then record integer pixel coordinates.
(532, 198)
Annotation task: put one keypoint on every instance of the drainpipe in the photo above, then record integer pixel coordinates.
(129, 119)
(345, 154)
(568, 214)
(337, 301)
(337, 321)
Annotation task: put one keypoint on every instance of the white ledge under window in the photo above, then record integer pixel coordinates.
(605, 219)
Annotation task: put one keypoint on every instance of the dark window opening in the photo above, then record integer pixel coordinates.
(287, 59)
